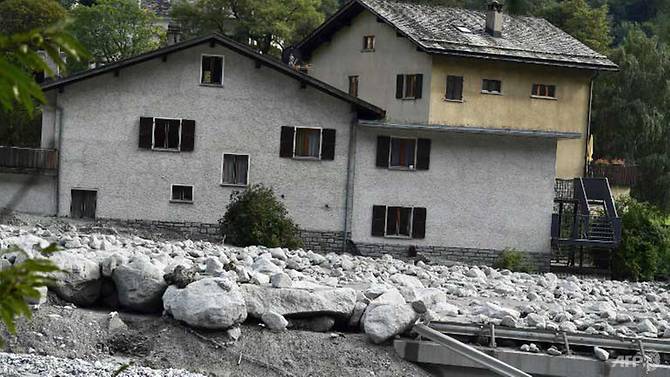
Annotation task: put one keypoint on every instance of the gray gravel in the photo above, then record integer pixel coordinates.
(24, 365)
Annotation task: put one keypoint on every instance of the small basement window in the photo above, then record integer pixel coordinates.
(403, 153)
(353, 86)
(491, 86)
(167, 134)
(543, 91)
(182, 194)
(368, 43)
(235, 169)
(211, 71)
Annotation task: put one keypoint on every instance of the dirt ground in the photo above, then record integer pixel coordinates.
(59, 329)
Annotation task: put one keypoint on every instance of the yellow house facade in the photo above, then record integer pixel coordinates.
(511, 73)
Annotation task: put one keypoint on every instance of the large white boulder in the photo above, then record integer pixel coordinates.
(210, 303)
(385, 321)
(140, 285)
(336, 302)
(78, 280)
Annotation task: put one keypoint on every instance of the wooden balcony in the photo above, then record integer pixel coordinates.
(17, 160)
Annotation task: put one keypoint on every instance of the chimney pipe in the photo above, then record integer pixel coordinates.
(173, 33)
(494, 19)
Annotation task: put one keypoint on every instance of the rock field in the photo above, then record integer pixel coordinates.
(214, 286)
(13, 365)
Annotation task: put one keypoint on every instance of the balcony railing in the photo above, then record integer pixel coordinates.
(28, 160)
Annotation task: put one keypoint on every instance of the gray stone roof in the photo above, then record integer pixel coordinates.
(160, 7)
(446, 30)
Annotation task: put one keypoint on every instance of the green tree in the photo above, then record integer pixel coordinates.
(18, 57)
(112, 30)
(630, 117)
(577, 18)
(270, 25)
(20, 16)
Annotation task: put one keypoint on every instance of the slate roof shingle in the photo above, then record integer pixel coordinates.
(435, 29)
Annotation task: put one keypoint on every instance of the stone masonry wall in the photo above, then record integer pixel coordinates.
(328, 241)
(445, 254)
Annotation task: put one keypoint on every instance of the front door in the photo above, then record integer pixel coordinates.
(83, 204)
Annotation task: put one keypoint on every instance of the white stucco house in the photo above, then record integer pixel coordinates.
(161, 140)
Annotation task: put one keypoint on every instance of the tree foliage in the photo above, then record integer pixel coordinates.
(112, 30)
(631, 119)
(268, 25)
(20, 16)
(20, 281)
(255, 217)
(576, 17)
(644, 253)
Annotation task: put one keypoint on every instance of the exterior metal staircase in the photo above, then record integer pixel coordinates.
(585, 214)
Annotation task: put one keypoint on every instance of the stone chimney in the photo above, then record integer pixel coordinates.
(173, 33)
(494, 19)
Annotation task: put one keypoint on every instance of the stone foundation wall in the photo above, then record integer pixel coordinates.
(323, 241)
(445, 254)
(167, 229)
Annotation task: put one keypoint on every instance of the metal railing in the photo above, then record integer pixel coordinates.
(28, 158)
(469, 352)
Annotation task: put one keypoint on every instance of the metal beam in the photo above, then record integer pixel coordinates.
(469, 352)
(547, 336)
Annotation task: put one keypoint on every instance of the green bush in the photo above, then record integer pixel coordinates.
(644, 253)
(514, 260)
(255, 217)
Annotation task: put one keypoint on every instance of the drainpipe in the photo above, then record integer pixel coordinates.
(59, 116)
(588, 125)
(349, 191)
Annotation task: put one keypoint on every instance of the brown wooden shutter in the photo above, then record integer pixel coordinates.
(328, 144)
(146, 129)
(399, 86)
(419, 86)
(450, 87)
(286, 142)
(459, 88)
(383, 145)
(378, 220)
(423, 154)
(187, 135)
(419, 223)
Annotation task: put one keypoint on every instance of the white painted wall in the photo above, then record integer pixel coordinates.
(334, 61)
(101, 127)
(36, 194)
(486, 192)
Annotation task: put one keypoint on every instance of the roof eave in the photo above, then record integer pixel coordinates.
(546, 134)
(518, 59)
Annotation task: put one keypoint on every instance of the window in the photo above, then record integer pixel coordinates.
(491, 86)
(235, 169)
(403, 153)
(182, 194)
(307, 143)
(544, 91)
(368, 43)
(463, 29)
(454, 88)
(398, 221)
(409, 86)
(167, 134)
(211, 71)
(353, 86)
